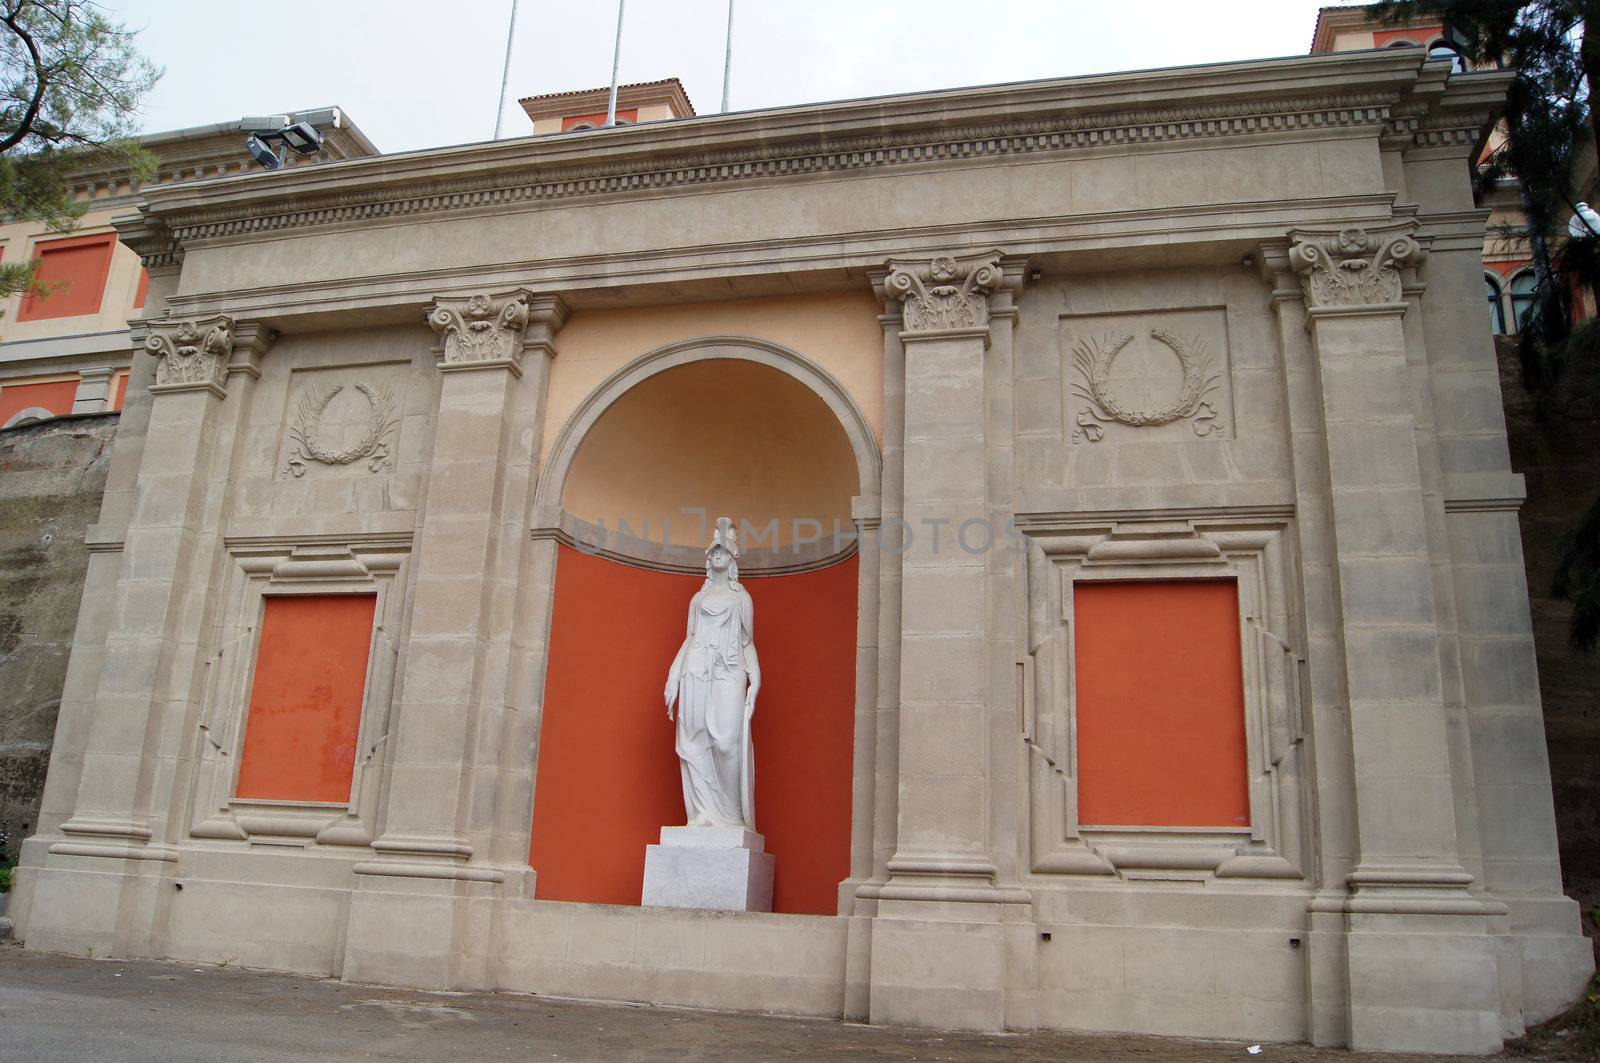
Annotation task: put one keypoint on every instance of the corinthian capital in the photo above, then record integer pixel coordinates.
(1352, 267)
(492, 329)
(193, 354)
(198, 355)
(946, 292)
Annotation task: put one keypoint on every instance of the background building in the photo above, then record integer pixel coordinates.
(68, 352)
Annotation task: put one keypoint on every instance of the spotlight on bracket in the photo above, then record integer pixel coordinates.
(263, 154)
(302, 138)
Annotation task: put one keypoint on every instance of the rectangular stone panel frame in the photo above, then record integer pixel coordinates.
(279, 567)
(1251, 547)
(381, 381)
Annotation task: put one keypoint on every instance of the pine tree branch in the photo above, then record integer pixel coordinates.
(25, 125)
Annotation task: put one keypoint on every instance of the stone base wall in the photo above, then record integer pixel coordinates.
(1243, 964)
(52, 474)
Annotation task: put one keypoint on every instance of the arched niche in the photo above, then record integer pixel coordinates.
(720, 423)
(693, 418)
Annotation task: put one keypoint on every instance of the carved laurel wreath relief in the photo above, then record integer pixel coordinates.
(1094, 357)
(305, 431)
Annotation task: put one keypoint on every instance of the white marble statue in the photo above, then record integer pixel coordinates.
(714, 680)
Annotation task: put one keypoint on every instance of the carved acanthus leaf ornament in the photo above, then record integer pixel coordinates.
(481, 328)
(192, 353)
(946, 293)
(1352, 267)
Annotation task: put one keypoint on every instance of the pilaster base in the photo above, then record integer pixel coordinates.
(941, 960)
(945, 973)
(1423, 983)
(421, 933)
(92, 906)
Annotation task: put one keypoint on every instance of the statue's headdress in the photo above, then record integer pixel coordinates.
(726, 537)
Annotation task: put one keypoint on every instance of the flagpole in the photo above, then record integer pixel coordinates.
(616, 64)
(727, 60)
(505, 73)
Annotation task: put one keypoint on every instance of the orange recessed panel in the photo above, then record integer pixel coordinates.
(144, 289)
(305, 703)
(608, 778)
(1160, 704)
(74, 271)
(54, 395)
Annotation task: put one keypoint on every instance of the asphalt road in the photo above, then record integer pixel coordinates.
(56, 1008)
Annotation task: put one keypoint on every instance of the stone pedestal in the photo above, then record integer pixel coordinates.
(709, 867)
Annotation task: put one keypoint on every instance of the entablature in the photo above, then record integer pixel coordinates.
(1314, 95)
(1129, 239)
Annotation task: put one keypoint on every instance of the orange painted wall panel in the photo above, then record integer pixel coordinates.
(607, 775)
(305, 702)
(80, 265)
(144, 289)
(55, 396)
(630, 114)
(119, 391)
(1506, 269)
(1419, 35)
(1160, 704)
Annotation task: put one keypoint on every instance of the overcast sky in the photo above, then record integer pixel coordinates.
(423, 73)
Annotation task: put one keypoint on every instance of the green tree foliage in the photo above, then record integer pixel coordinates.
(70, 88)
(1551, 131)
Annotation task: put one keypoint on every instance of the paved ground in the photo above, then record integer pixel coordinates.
(63, 1008)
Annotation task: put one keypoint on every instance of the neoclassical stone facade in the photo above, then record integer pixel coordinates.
(1122, 354)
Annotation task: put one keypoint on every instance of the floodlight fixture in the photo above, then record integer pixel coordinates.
(263, 154)
(302, 138)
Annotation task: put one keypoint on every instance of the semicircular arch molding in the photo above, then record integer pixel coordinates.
(857, 430)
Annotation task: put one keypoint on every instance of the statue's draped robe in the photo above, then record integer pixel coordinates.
(713, 740)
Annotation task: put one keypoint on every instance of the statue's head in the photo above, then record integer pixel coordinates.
(722, 553)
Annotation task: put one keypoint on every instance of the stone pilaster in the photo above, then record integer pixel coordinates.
(94, 390)
(938, 955)
(121, 820)
(445, 762)
(1408, 912)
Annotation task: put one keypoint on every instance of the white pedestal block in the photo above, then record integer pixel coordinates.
(709, 867)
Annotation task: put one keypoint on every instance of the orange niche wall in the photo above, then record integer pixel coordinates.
(607, 775)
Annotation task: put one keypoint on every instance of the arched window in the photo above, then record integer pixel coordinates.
(1401, 43)
(1524, 287)
(1497, 306)
(1442, 49)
